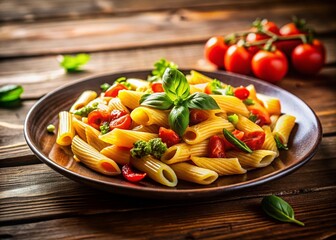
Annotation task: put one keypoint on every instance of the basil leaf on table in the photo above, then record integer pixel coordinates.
(73, 63)
(279, 209)
(179, 119)
(200, 100)
(175, 84)
(156, 100)
(10, 93)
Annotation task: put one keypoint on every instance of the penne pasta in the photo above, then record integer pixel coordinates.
(149, 116)
(83, 100)
(269, 143)
(119, 154)
(246, 125)
(256, 159)
(222, 166)
(283, 127)
(271, 104)
(92, 138)
(231, 104)
(89, 156)
(192, 173)
(130, 98)
(156, 170)
(204, 130)
(66, 130)
(125, 138)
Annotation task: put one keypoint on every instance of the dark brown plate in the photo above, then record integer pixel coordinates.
(303, 144)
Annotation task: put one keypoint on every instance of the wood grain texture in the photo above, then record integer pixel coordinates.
(32, 10)
(25, 189)
(147, 29)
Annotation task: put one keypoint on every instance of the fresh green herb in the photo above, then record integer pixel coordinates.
(154, 147)
(253, 117)
(9, 93)
(84, 111)
(279, 143)
(73, 63)
(158, 148)
(51, 128)
(215, 85)
(248, 102)
(159, 69)
(105, 86)
(105, 128)
(235, 141)
(123, 81)
(228, 91)
(279, 209)
(176, 96)
(233, 118)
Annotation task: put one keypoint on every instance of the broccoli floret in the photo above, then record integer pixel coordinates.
(140, 149)
(158, 147)
(154, 147)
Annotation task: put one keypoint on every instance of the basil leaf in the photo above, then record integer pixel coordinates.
(159, 69)
(279, 143)
(236, 142)
(156, 100)
(175, 84)
(279, 209)
(73, 63)
(200, 100)
(10, 93)
(179, 119)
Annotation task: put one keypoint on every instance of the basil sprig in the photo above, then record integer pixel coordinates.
(176, 96)
(236, 142)
(279, 209)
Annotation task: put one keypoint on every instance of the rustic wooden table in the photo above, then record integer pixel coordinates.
(38, 203)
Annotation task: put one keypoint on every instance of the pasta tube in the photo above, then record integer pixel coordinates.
(231, 104)
(119, 154)
(83, 100)
(156, 170)
(92, 158)
(125, 138)
(149, 116)
(256, 159)
(283, 127)
(66, 130)
(192, 173)
(222, 166)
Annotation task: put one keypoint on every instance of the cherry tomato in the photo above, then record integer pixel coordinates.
(262, 115)
(157, 87)
(124, 122)
(97, 118)
(216, 147)
(114, 90)
(215, 49)
(254, 140)
(270, 66)
(238, 60)
(290, 29)
(130, 175)
(253, 37)
(307, 58)
(238, 134)
(116, 113)
(197, 116)
(168, 136)
(241, 92)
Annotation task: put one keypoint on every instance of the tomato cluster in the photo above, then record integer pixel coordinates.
(268, 51)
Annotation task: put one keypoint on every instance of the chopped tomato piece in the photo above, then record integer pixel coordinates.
(168, 136)
(114, 90)
(124, 122)
(241, 92)
(216, 147)
(262, 115)
(97, 118)
(254, 140)
(157, 87)
(130, 175)
(197, 116)
(208, 89)
(115, 114)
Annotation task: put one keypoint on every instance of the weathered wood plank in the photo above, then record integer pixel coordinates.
(25, 189)
(147, 29)
(33, 10)
(229, 219)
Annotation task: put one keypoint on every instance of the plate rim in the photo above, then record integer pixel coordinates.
(175, 193)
